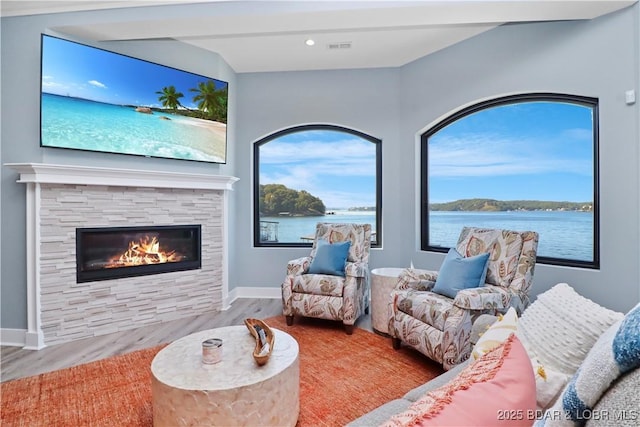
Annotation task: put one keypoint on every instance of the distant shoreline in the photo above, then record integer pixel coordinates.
(492, 205)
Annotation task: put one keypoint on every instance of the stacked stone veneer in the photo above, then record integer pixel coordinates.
(71, 310)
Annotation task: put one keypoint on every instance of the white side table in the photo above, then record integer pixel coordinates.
(383, 280)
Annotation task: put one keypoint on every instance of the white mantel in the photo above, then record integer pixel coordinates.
(37, 175)
(87, 175)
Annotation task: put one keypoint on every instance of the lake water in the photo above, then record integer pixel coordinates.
(291, 229)
(77, 123)
(563, 234)
(567, 235)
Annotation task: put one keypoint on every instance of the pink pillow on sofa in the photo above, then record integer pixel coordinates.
(498, 389)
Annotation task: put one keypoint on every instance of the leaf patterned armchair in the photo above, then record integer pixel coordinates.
(329, 296)
(439, 326)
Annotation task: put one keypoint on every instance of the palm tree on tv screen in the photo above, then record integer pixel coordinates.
(170, 98)
(210, 101)
(221, 105)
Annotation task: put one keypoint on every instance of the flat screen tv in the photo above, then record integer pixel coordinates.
(96, 100)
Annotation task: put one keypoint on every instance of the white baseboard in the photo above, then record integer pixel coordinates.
(13, 337)
(253, 292)
(21, 338)
(34, 341)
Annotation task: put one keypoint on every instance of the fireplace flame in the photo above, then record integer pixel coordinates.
(145, 251)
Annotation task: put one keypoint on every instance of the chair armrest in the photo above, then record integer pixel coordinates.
(356, 269)
(298, 266)
(487, 297)
(419, 280)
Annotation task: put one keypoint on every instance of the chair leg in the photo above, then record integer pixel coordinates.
(289, 320)
(395, 342)
(348, 329)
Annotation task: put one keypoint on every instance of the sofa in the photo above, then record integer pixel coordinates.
(569, 362)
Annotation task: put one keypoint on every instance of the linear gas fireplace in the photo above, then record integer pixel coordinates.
(115, 252)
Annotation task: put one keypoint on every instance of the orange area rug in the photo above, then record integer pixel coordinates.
(341, 378)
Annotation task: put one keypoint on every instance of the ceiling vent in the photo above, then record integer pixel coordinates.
(339, 45)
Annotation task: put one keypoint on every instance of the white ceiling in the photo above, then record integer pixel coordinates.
(258, 36)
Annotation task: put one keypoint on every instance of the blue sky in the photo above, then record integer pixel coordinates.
(526, 151)
(73, 69)
(337, 167)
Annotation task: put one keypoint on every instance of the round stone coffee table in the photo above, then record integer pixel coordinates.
(235, 391)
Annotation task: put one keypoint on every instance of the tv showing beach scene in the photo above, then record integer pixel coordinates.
(96, 100)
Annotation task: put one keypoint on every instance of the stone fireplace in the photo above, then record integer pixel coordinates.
(65, 201)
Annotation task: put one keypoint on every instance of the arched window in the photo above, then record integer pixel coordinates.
(315, 173)
(523, 162)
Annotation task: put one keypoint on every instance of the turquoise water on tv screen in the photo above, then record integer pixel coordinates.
(88, 125)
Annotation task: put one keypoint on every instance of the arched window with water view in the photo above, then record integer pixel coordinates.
(522, 162)
(315, 173)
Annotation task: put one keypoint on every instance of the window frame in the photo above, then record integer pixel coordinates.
(501, 101)
(377, 243)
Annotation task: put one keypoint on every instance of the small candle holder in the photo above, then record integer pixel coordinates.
(211, 351)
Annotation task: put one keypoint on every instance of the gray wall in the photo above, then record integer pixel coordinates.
(20, 137)
(364, 100)
(598, 58)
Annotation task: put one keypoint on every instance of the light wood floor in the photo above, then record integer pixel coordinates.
(18, 363)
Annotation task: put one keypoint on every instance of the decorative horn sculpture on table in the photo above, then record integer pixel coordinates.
(265, 339)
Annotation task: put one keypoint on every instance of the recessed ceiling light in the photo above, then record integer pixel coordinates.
(309, 42)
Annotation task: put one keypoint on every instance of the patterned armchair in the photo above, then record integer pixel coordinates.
(328, 296)
(439, 326)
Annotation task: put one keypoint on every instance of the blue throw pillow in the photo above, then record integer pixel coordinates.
(330, 258)
(458, 272)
